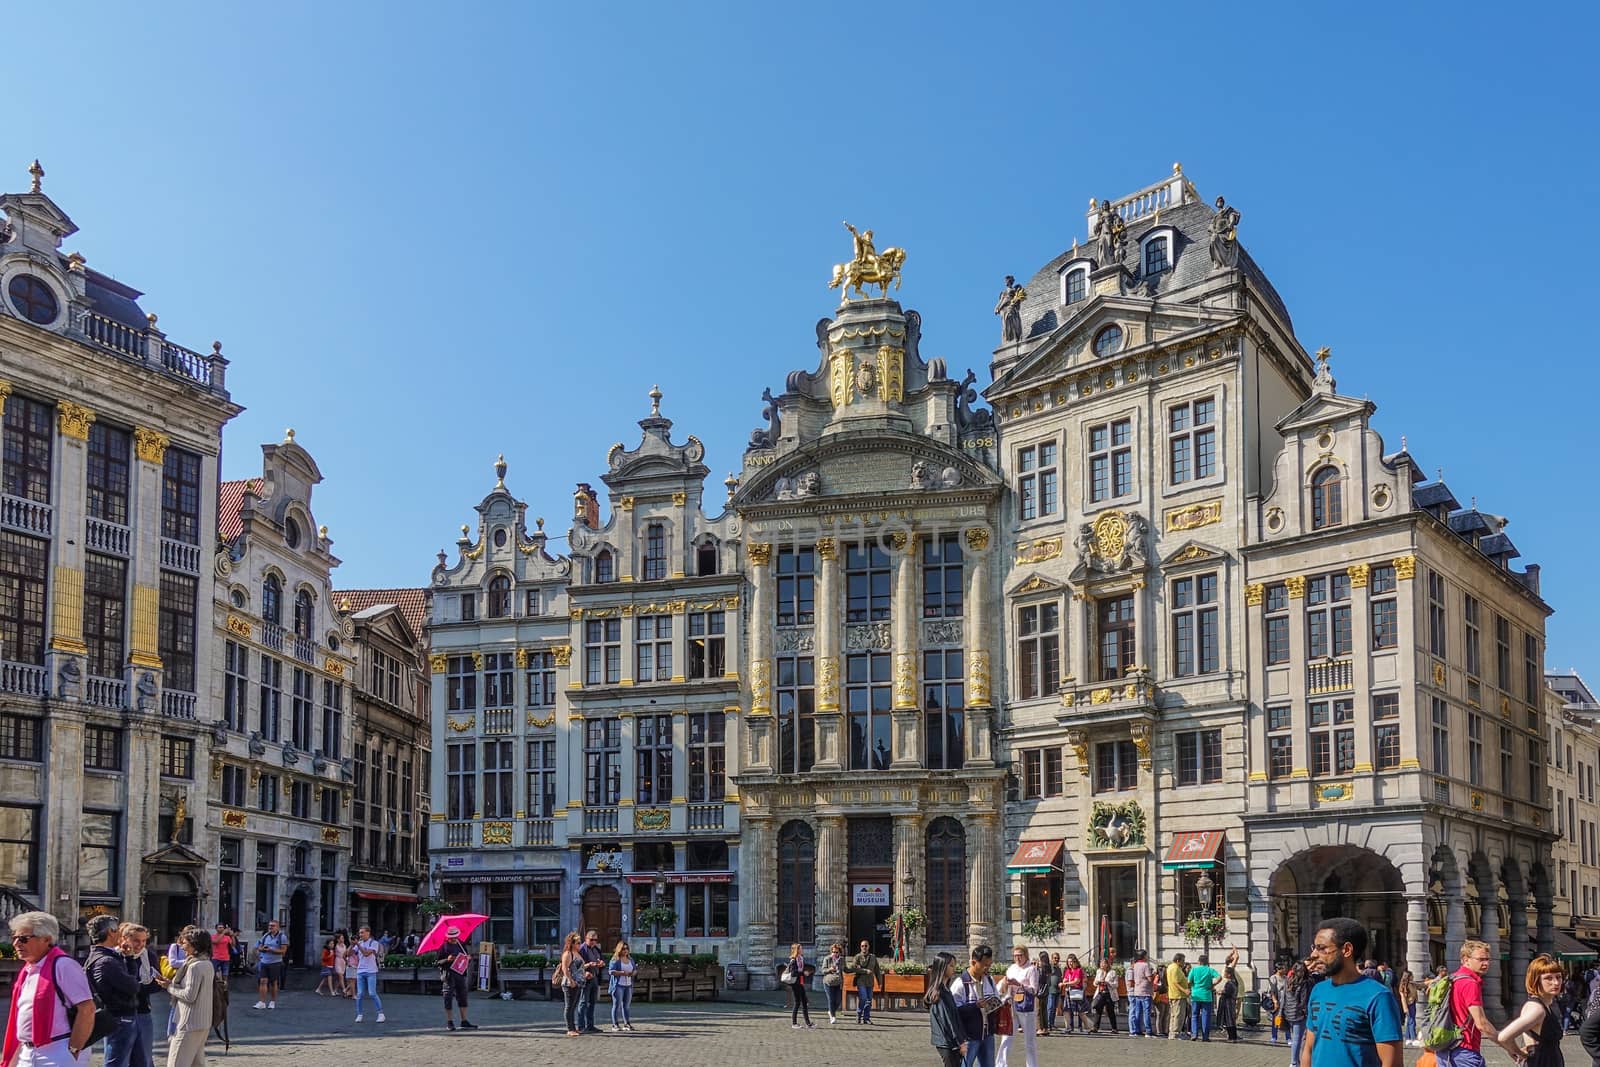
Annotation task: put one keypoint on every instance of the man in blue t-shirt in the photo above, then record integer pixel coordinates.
(1351, 1020)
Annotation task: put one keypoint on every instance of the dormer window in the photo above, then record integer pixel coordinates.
(706, 559)
(604, 567)
(272, 600)
(1156, 256)
(1077, 286)
(655, 552)
(33, 299)
(1326, 499)
(499, 597)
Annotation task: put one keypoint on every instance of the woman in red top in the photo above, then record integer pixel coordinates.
(330, 976)
(222, 950)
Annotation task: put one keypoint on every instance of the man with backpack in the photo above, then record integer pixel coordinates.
(116, 992)
(1351, 1020)
(1454, 1022)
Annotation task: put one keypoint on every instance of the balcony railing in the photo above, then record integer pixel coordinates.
(541, 831)
(22, 678)
(180, 556)
(599, 820)
(153, 350)
(499, 720)
(305, 650)
(705, 816)
(458, 835)
(108, 537)
(272, 636)
(106, 692)
(177, 705)
(1331, 676)
(29, 516)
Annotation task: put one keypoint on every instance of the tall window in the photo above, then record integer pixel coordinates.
(1155, 256)
(602, 651)
(1385, 621)
(1469, 619)
(544, 912)
(542, 778)
(271, 705)
(1328, 615)
(796, 586)
(102, 748)
(797, 863)
(358, 781)
(1077, 286)
(605, 568)
(942, 577)
(1041, 772)
(499, 597)
(1277, 623)
(707, 654)
(29, 434)
(106, 474)
(866, 575)
(499, 778)
(461, 684)
(105, 581)
(1200, 757)
(1532, 674)
(947, 882)
(796, 695)
(1326, 504)
(655, 552)
(267, 792)
(460, 781)
(541, 679)
(1441, 737)
(1333, 743)
(1038, 649)
(1111, 460)
(1535, 794)
(300, 698)
(469, 607)
(707, 760)
(1436, 615)
(1116, 767)
(653, 752)
(20, 738)
(653, 648)
(233, 786)
(272, 600)
(1502, 653)
(235, 684)
(300, 800)
(1474, 748)
(177, 757)
(499, 680)
(868, 693)
(1038, 481)
(180, 496)
(20, 845)
(98, 863)
(24, 565)
(175, 630)
(944, 707)
(1507, 761)
(1192, 441)
(705, 559)
(1117, 652)
(1194, 625)
(602, 759)
(304, 614)
(1280, 741)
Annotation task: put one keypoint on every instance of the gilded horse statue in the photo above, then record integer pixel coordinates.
(868, 267)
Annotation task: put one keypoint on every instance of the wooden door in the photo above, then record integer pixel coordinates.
(602, 912)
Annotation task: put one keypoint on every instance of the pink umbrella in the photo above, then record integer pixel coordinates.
(462, 924)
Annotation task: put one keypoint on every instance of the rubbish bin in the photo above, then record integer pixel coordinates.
(737, 977)
(1250, 1009)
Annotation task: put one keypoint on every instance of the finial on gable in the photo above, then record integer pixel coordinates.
(38, 177)
(500, 471)
(655, 401)
(288, 436)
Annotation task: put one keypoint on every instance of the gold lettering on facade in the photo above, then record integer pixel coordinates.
(1194, 516)
(238, 627)
(1045, 548)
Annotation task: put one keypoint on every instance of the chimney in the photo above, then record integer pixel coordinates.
(586, 506)
(1532, 579)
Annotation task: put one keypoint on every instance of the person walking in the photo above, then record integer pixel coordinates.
(1177, 999)
(143, 965)
(1351, 1020)
(191, 995)
(1296, 998)
(1540, 1019)
(620, 986)
(1466, 1011)
(369, 956)
(328, 976)
(1228, 996)
(1053, 1003)
(49, 987)
(570, 977)
(794, 976)
(1072, 990)
(946, 1031)
(116, 992)
(1272, 1001)
(868, 975)
(1202, 998)
(1406, 992)
(1047, 987)
(1141, 991)
(977, 1000)
(1105, 994)
(341, 949)
(270, 948)
(594, 962)
(454, 960)
(222, 943)
(1022, 986)
(833, 968)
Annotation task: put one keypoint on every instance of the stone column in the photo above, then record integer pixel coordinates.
(679, 535)
(832, 891)
(758, 895)
(759, 671)
(1301, 771)
(680, 772)
(910, 886)
(980, 661)
(1361, 673)
(1078, 637)
(984, 898)
(829, 720)
(906, 734)
(1414, 707)
(1517, 929)
(63, 817)
(627, 539)
(1417, 956)
(150, 451)
(732, 751)
(66, 579)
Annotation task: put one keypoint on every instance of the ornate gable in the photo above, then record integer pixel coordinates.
(1192, 553)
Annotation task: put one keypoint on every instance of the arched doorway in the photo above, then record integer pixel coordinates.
(946, 877)
(169, 904)
(797, 884)
(1339, 880)
(602, 913)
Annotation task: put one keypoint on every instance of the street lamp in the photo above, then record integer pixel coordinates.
(658, 889)
(1207, 890)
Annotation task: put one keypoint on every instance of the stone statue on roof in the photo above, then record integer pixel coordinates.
(1224, 235)
(1009, 307)
(1109, 232)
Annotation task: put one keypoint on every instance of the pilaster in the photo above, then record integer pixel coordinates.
(829, 719)
(906, 735)
(832, 902)
(979, 655)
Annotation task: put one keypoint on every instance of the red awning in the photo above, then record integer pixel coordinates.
(1197, 848)
(684, 878)
(403, 898)
(1036, 856)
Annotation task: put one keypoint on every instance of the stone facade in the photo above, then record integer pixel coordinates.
(107, 505)
(1573, 764)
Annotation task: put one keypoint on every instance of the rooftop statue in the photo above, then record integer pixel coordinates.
(868, 266)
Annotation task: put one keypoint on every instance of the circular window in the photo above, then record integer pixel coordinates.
(238, 598)
(1108, 340)
(33, 299)
(500, 537)
(333, 642)
(291, 533)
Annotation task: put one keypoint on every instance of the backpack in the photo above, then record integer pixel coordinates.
(1438, 1025)
(219, 1011)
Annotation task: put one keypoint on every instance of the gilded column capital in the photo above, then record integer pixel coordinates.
(150, 445)
(900, 540)
(1358, 574)
(1254, 593)
(5, 392)
(759, 552)
(1405, 567)
(438, 663)
(562, 654)
(827, 549)
(1297, 586)
(73, 420)
(978, 538)
(625, 503)
(680, 499)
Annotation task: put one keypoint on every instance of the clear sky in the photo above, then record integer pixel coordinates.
(430, 233)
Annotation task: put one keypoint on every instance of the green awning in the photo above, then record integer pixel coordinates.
(1570, 948)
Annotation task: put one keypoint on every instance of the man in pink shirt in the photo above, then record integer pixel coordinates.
(50, 980)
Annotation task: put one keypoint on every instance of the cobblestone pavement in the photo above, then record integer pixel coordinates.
(312, 1031)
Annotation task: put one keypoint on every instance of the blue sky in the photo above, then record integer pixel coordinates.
(427, 234)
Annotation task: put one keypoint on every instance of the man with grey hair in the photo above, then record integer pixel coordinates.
(39, 1031)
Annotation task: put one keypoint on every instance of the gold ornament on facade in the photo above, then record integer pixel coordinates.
(1110, 534)
(1405, 567)
(1079, 741)
(1254, 593)
(1045, 548)
(827, 549)
(1296, 584)
(899, 540)
(761, 687)
(891, 374)
(1439, 675)
(867, 266)
(238, 627)
(438, 663)
(1194, 516)
(978, 691)
(562, 654)
(625, 503)
(333, 667)
(905, 680)
(680, 499)
(1101, 696)
(977, 538)
(535, 721)
(520, 657)
(233, 820)
(330, 836)
(73, 420)
(477, 660)
(497, 833)
(1358, 574)
(759, 553)
(1189, 553)
(461, 726)
(652, 818)
(68, 613)
(828, 684)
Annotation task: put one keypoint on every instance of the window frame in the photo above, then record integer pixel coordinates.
(1038, 648)
(1108, 459)
(1195, 617)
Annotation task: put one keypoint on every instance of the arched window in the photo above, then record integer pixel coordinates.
(655, 552)
(272, 600)
(1326, 504)
(499, 597)
(302, 613)
(604, 569)
(1156, 258)
(1077, 285)
(947, 882)
(797, 890)
(705, 559)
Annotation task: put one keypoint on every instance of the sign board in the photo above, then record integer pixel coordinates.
(485, 964)
(455, 861)
(874, 895)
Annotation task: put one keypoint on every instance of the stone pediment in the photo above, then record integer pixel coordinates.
(865, 462)
(1322, 408)
(1036, 584)
(1193, 552)
(175, 855)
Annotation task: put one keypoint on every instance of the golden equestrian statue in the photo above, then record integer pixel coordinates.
(869, 267)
